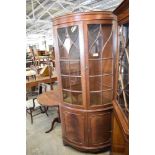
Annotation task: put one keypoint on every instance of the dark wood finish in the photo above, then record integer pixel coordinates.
(86, 16)
(122, 12)
(86, 126)
(120, 122)
(50, 99)
(120, 132)
(40, 53)
(119, 142)
(99, 124)
(93, 132)
(74, 120)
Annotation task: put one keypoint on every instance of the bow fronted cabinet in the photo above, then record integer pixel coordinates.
(87, 53)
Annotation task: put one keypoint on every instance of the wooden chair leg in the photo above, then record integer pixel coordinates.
(41, 109)
(45, 110)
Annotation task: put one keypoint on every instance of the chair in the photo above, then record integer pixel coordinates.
(32, 104)
(30, 74)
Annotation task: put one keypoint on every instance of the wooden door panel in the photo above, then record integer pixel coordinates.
(74, 126)
(100, 128)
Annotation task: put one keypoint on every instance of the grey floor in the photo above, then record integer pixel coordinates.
(40, 143)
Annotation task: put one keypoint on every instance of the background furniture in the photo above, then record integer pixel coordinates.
(30, 74)
(41, 52)
(31, 83)
(29, 59)
(120, 121)
(85, 45)
(28, 62)
(50, 99)
(32, 104)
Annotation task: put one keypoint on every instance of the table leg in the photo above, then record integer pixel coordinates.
(57, 119)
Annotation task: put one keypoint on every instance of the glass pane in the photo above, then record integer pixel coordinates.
(93, 31)
(68, 41)
(61, 35)
(95, 83)
(65, 82)
(67, 96)
(107, 82)
(74, 36)
(63, 53)
(76, 98)
(107, 96)
(95, 98)
(75, 68)
(125, 79)
(95, 41)
(74, 52)
(124, 66)
(73, 32)
(96, 49)
(107, 41)
(107, 66)
(108, 50)
(64, 67)
(121, 99)
(67, 44)
(75, 83)
(95, 67)
(63, 42)
(100, 41)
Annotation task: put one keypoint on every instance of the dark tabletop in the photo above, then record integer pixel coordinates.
(50, 98)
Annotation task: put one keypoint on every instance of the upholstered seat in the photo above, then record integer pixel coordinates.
(30, 73)
(29, 103)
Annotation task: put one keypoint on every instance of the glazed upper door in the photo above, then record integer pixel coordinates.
(70, 64)
(123, 69)
(100, 62)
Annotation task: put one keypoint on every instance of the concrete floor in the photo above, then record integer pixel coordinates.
(40, 143)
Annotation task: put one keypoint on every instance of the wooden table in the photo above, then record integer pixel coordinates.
(50, 99)
(39, 79)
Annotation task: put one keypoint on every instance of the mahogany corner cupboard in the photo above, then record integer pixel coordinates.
(85, 47)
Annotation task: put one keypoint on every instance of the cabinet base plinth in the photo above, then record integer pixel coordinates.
(96, 149)
(65, 144)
